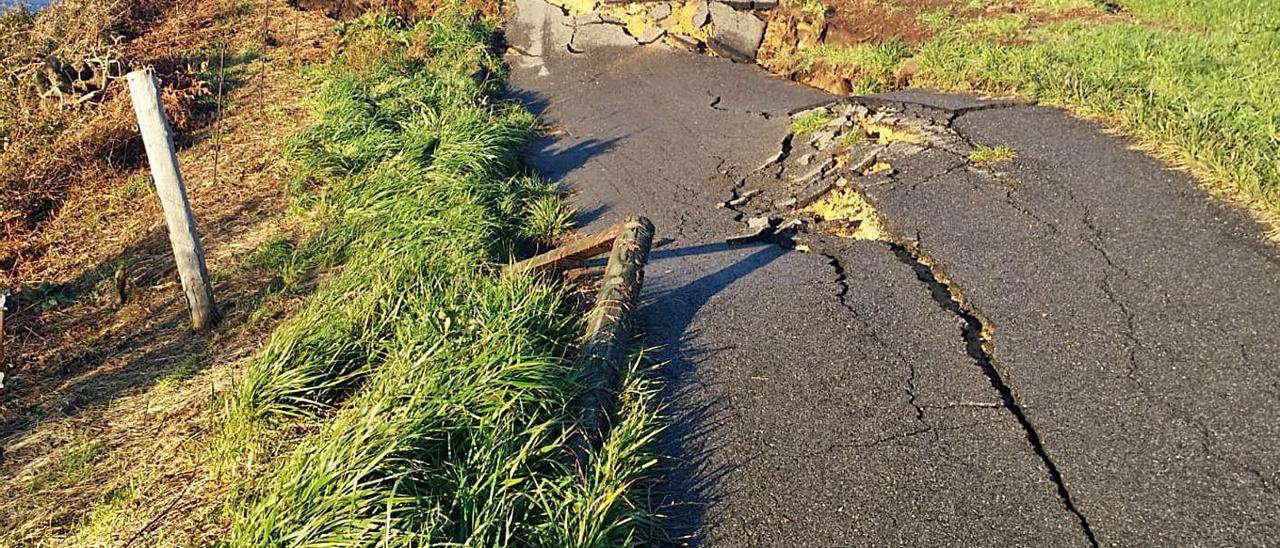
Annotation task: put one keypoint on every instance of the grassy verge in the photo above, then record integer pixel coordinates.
(1194, 81)
(427, 397)
(1205, 97)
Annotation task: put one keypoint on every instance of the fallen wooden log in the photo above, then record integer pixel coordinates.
(577, 250)
(602, 358)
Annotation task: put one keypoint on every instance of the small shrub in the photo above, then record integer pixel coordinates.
(74, 465)
(186, 368)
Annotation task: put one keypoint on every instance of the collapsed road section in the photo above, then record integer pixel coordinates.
(1134, 319)
(915, 336)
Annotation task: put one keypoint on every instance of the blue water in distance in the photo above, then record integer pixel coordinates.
(32, 4)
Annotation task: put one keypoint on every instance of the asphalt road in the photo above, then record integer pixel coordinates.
(832, 398)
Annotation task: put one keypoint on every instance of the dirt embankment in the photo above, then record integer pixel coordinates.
(856, 46)
(104, 398)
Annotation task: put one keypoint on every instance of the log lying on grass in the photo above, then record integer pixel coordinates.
(602, 358)
(584, 248)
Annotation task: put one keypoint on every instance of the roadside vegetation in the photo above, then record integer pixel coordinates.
(433, 395)
(105, 389)
(1192, 81)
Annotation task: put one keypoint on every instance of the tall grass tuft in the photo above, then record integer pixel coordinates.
(432, 396)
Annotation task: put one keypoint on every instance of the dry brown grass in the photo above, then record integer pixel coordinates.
(104, 410)
(411, 9)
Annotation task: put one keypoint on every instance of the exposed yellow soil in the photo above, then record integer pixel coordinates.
(886, 134)
(855, 217)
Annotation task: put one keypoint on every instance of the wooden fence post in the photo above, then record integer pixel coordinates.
(157, 135)
(602, 358)
(4, 297)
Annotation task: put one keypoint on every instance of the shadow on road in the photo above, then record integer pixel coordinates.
(692, 478)
(693, 481)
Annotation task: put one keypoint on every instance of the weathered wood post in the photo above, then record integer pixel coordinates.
(4, 297)
(602, 358)
(157, 135)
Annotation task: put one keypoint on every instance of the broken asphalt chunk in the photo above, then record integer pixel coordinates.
(589, 37)
(701, 14)
(737, 34)
(650, 35)
(757, 228)
(813, 192)
(660, 11)
(744, 198)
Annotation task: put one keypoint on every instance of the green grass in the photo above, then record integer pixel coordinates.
(937, 19)
(548, 219)
(102, 524)
(987, 155)
(994, 28)
(1235, 16)
(137, 187)
(811, 122)
(850, 138)
(1057, 6)
(873, 67)
(433, 395)
(185, 369)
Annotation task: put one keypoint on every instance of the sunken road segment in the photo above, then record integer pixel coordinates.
(913, 160)
(1135, 319)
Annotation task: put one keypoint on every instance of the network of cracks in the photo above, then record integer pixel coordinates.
(811, 196)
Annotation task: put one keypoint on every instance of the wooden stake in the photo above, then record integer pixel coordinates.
(578, 250)
(3, 297)
(157, 135)
(602, 359)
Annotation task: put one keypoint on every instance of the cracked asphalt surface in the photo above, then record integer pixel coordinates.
(833, 398)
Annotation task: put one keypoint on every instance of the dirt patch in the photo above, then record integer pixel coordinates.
(845, 213)
(865, 21)
(104, 405)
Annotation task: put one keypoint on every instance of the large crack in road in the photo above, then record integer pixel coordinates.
(854, 394)
(975, 332)
(978, 345)
(1127, 271)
